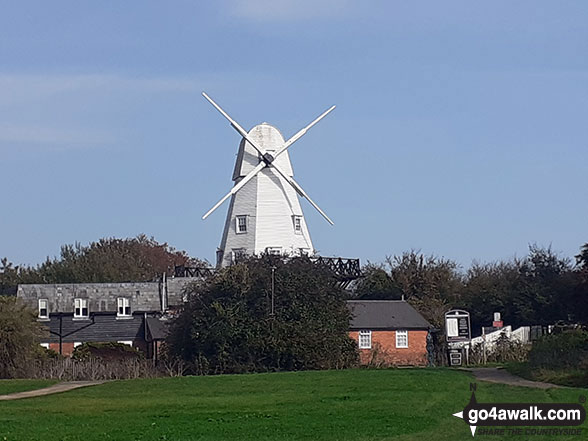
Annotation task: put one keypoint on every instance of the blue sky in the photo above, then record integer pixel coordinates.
(460, 127)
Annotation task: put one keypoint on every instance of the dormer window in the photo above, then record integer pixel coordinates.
(124, 307)
(81, 308)
(241, 226)
(43, 309)
(297, 224)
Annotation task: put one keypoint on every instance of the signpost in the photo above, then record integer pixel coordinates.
(457, 324)
(458, 334)
(497, 323)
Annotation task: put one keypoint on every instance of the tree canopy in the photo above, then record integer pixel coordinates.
(227, 324)
(20, 333)
(539, 289)
(107, 260)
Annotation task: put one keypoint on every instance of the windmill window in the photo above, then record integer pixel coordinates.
(81, 308)
(43, 310)
(237, 254)
(402, 339)
(124, 307)
(365, 339)
(297, 224)
(241, 224)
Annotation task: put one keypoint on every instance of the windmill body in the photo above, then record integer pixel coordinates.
(264, 213)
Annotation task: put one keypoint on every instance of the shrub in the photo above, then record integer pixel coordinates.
(227, 325)
(109, 351)
(568, 349)
(20, 333)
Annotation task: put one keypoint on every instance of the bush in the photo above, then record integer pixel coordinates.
(566, 350)
(503, 351)
(109, 351)
(20, 333)
(227, 325)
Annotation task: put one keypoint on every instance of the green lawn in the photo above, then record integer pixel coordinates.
(401, 404)
(11, 386)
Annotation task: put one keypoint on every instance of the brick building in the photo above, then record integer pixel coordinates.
(390, 332)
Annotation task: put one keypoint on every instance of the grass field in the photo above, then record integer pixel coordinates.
(398, 404)
(11, 386)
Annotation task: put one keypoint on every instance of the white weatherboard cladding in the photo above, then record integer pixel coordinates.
(277, 203)
(269, 139)
(268, 201)
(241, 205)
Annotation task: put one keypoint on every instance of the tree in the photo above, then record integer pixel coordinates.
(227, 324)
(377, 284)
(490, 288)
(20, 333)
(580, 299)
(11, 276)
(107, 260)
(545, 292)
(582, 259)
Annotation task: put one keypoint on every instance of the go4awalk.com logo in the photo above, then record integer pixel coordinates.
(562, 415)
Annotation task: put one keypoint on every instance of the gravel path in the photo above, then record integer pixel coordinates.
(502, 376)
(55, 389)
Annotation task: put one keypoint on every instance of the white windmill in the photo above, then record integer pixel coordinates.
(264, 213)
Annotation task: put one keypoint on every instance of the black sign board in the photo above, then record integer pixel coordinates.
(455, 357)
(457, 325)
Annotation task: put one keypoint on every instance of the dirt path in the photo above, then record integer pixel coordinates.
(55, 389)
(502, 376)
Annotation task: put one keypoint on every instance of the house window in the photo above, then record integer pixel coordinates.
(43, 311)
(402, 339)
(126, 342)
(365, 339)
(297, 224)
(276, 251)
(124, 307)
(241, 224)
(80, 308)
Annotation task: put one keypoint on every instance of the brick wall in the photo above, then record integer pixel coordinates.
(66, 348)
(385, 353)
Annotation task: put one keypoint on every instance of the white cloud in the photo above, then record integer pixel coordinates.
(285, 10)
(70, 111)
(19, 88)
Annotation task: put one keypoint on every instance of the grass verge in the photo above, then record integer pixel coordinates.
(563, 377)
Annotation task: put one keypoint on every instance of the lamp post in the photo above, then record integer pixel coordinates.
(273, 289)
